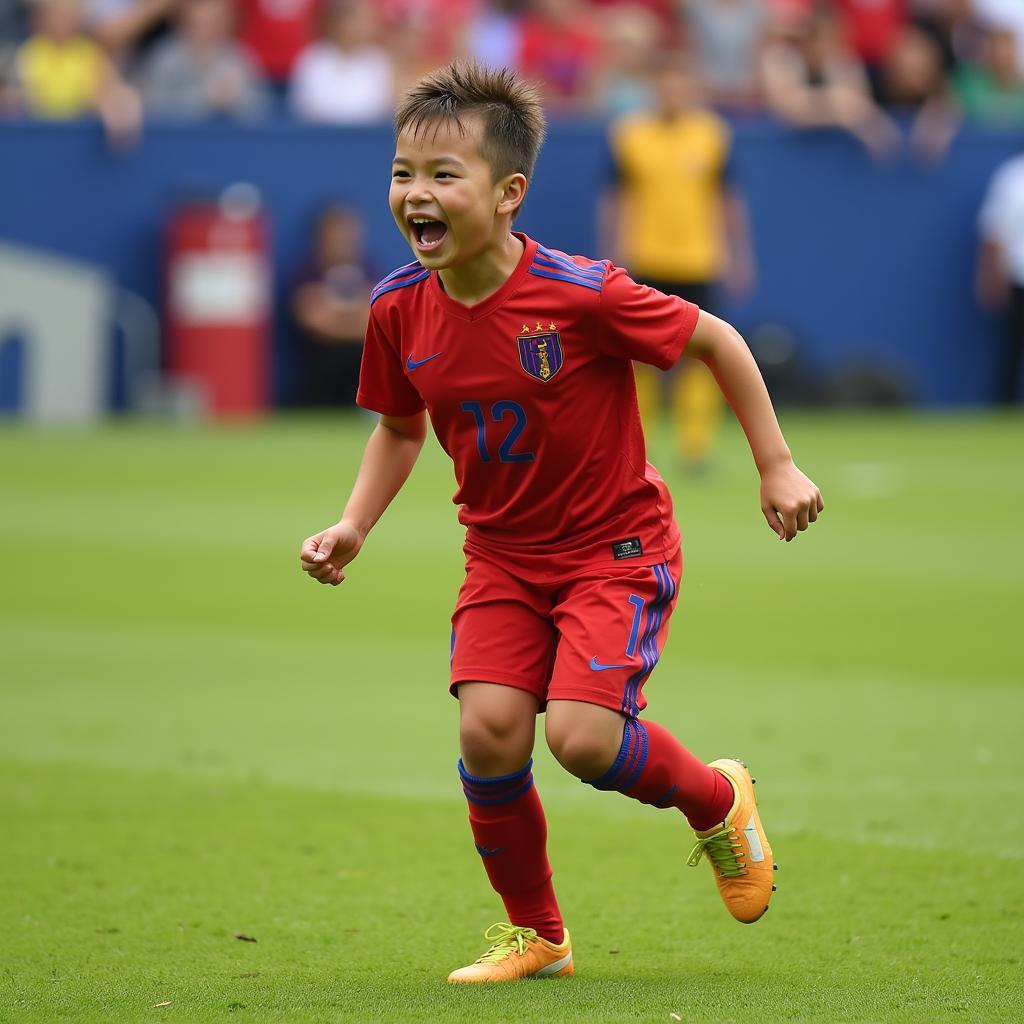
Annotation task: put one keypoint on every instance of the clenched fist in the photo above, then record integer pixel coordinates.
(326, 553)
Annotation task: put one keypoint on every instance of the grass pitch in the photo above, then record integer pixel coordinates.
(198, 744)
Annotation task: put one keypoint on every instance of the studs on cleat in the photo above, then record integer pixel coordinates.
(774, 887)
(775, 867)
(753, 782)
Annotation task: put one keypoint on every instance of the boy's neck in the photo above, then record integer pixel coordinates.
(478, 279)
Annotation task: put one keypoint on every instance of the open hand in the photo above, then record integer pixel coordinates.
(326, 553)
(789, 500)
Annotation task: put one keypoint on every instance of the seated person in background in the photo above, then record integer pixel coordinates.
(810, 81)
(124, 27)
(726, 37)
(561, 49)
(276, 32)
(992, 91)
(62, 73)
(331, 306)
(199, 70)
(913, 82)
(346, 77)
(630, 36)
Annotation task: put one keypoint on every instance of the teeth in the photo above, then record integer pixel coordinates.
(423, 220)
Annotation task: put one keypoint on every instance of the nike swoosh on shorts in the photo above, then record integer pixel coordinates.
(596, 666)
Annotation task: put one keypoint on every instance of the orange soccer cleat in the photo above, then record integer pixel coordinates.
(738, 849)
(517, 953)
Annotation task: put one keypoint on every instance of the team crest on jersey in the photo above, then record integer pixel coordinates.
(540, 351)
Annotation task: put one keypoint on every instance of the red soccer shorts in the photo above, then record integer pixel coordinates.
(595, 637)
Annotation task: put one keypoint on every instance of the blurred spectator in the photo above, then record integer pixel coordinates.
(664, 10)
(1000, 270)
(561, 50)
(944, 21)
(13, 29)
(726, 34)
(345, 77)
(123, 27)
(12, 21)
(677, 221)
(199, 70)
(630, 37)
(870, 29)
(914, 82)
(992, 92)
(331, 306)
(440, 27)
(810, 81)
(494, 36)
(62, 73)
(1005, 14)
(276, 32)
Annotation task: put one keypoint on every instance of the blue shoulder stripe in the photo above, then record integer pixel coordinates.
(409, 268)
(383, 289)
(552, 265)
(568, 278)
(568, 263)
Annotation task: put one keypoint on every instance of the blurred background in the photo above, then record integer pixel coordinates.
(192, 192)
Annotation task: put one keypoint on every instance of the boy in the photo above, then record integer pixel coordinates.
(521, 356)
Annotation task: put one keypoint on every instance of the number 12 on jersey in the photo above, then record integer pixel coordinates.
(498, 413)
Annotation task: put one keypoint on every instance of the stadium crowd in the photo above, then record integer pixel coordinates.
(854, 64)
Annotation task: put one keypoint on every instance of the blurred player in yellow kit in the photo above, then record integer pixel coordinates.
(676, 221)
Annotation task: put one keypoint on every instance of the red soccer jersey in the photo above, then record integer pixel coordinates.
(531, 394)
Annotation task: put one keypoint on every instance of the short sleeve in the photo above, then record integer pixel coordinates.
(383, 385)
(642, 323)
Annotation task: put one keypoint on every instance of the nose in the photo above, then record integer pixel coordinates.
(417, 195)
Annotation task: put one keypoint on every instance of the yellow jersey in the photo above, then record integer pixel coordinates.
(671, 174)
(60, 79)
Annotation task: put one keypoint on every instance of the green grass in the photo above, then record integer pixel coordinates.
(196, 742)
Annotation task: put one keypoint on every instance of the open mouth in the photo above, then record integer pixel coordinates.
(428, 232)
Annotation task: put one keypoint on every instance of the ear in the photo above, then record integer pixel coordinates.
(513, 192)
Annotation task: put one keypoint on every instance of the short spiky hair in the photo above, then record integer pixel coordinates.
(510, 107)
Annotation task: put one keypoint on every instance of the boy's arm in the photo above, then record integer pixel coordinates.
(390, 454)
(789, 500)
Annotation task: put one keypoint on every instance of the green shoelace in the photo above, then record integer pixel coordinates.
(506, 938)
(721, 851)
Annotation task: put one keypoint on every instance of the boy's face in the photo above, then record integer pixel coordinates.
(443, 197)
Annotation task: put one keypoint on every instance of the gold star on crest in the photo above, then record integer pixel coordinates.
(539, 327)
(526, 329)
(552, 327)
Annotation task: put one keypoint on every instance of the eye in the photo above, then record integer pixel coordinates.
(399, 174)
(444, 174)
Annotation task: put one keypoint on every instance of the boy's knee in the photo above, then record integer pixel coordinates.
(584, 744)
(495, 738)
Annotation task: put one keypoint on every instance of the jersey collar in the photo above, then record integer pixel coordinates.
(492, 302)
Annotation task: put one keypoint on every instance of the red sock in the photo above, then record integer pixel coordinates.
(511, 835)
(655, 768)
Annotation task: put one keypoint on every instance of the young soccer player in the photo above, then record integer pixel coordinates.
(521, 356)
